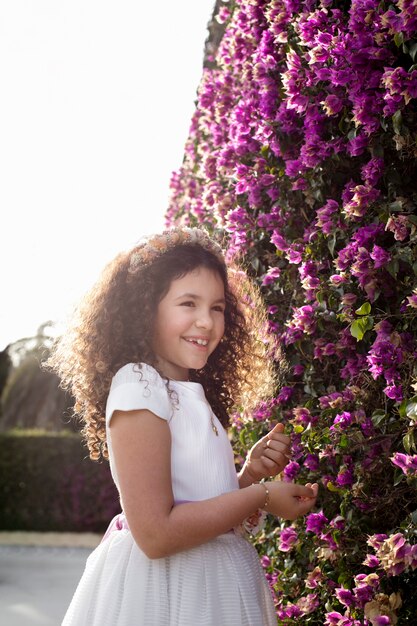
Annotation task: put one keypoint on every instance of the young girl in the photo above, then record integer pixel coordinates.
(159, 352)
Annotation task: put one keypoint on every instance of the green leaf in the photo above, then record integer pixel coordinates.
(412, 218)
(344, 441)
(398, 477)
(393, 267)
(402, 409)
(365, 309)
(378, 417)
(398, 39)
(413, 51)
(356, 330)
(408, 442)
(411, 409)
(332, 487)
(397, 122)
(359, 327)
(331, 242)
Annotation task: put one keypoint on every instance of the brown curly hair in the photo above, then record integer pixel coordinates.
(113, 326)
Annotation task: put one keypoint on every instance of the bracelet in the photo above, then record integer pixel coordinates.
(267, 495)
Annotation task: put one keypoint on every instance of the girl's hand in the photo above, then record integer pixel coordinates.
(269, 455)
(290, 500)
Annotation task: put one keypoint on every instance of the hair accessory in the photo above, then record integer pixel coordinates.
(150, 248)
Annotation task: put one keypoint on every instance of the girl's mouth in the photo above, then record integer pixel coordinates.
(202, 343)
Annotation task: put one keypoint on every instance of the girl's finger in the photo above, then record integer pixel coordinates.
(269, 463)
(302, 491)
(278, 428)
(278, 446)
(279, 458)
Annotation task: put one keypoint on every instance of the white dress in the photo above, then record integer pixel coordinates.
(219, 583)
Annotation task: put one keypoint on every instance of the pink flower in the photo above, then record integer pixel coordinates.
(315, 522)
(398, 224)
(287, 539)
(406, 462)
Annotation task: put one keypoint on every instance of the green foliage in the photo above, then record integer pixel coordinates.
(48, 483)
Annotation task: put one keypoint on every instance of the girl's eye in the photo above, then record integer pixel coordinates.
(188, 303)
(219, 308)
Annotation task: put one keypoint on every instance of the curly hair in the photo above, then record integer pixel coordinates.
(113, 326)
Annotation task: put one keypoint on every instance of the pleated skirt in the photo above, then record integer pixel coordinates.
(220, 583)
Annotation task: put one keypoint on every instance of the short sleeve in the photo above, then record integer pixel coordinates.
(135, 388)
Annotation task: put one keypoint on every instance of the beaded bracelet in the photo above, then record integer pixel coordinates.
(267, 494)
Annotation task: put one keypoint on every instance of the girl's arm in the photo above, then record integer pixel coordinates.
(142, 449)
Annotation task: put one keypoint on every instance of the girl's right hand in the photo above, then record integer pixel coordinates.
(289, 500)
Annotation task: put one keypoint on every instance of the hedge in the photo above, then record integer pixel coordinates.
(48, 483)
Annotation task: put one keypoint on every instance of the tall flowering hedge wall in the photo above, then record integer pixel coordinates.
(302, 149)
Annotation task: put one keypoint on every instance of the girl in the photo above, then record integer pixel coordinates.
(159, 352)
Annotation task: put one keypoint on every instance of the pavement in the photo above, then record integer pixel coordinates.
(38, 575)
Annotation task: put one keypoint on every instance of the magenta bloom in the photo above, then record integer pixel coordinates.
(315, 522)
(271, 276)
(291, 470)
(342, 421)
(345, 596)
(287, 539)
(406, 462)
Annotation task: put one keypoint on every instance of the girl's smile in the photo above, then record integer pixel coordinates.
(189, 323)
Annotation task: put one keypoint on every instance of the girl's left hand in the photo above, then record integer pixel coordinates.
(269, 455)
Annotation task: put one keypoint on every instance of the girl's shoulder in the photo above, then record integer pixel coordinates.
(138, 386)
(137, 373)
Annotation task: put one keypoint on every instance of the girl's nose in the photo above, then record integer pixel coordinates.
(204, 320)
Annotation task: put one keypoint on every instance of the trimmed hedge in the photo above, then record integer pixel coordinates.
(48, 483)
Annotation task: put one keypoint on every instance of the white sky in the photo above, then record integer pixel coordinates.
(97, 98)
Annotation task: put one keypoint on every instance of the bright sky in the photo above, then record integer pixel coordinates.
(97, 98)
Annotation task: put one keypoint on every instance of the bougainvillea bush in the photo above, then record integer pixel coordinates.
(302, 152)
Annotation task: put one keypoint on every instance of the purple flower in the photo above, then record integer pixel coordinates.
(412, 300)
(298, 370)
(265, 561)
(371, 561)
(406, 462)
(312, 462)
(337, 619)
(345, 478)
(271, 276)
(303, 416)
(287, 539)
(278, 240)
(332, 105)
(314, 578)
(398, 225)
(380, 256)
(285, 394)
(291, 471)
(357, 145)
(315, 522)
(342, 421)
(394, 392)
(294, 254)
(372, 171)
(345, 596)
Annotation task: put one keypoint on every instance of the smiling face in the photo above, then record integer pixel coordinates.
(189, 323)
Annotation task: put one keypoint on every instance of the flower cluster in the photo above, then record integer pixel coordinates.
(302, 150)
(392, 554)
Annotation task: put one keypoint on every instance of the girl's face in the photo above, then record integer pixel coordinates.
(189, 323)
